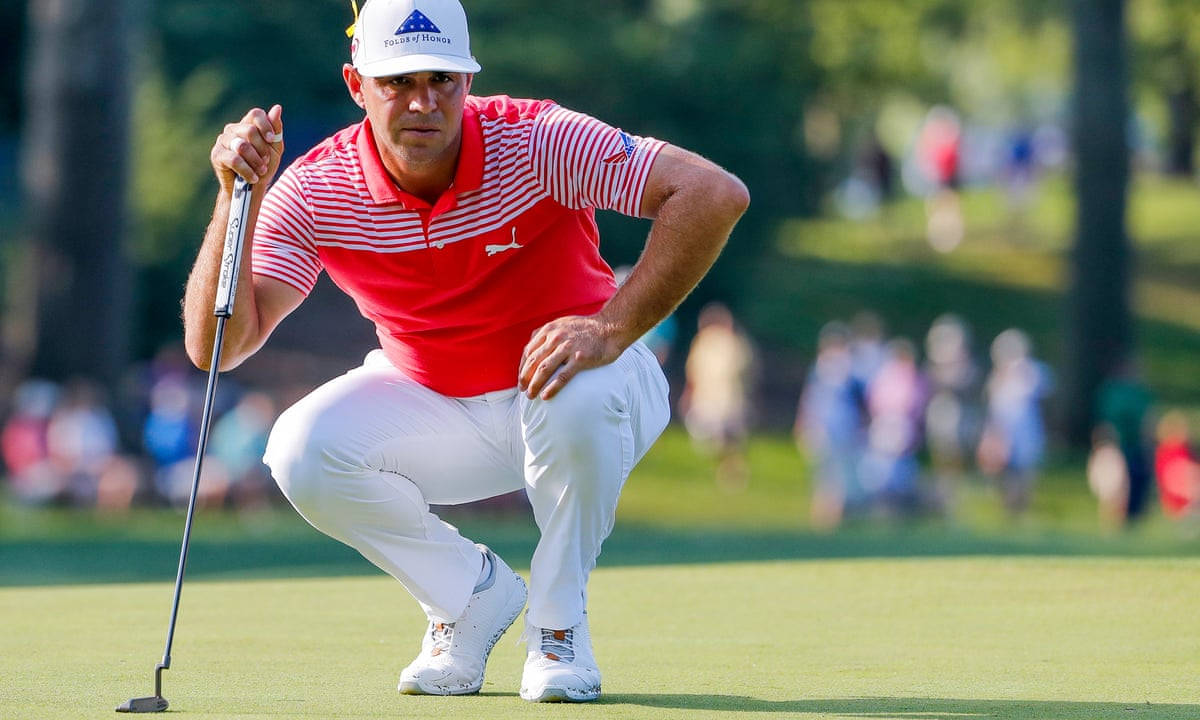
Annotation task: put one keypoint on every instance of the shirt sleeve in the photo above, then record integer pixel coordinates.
(284, 246)
(583, 162)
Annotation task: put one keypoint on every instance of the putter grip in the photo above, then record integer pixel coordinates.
(231, 256)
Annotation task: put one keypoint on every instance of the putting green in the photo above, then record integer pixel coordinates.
(929, 638)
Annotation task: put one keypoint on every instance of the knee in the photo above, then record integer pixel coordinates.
(298, 455)
(591, 401)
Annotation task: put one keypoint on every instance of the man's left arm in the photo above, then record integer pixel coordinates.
(694, 205)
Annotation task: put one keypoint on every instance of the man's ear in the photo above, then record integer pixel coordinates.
(354, 85)
(470, 79)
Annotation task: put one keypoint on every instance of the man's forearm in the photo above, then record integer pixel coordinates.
(690, 228)
(252, 149)
(694, 205)
(242, 335)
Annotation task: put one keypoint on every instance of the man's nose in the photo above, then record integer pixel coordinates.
(423, 100)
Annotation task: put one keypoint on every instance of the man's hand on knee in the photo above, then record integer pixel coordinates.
(560, 349)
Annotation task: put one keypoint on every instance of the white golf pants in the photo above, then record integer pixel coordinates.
(363, 456)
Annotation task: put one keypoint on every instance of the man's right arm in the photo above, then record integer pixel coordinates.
(250, 149)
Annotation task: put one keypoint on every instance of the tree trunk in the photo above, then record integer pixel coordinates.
(69, 296)
(1100, 327)
(1181, 112)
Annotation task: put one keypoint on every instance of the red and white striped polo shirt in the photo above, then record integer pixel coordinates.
(456, 289)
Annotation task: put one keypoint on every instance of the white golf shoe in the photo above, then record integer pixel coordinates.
(453, 655)
(559, 666)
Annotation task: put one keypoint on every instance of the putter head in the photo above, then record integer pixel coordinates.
(154, 703)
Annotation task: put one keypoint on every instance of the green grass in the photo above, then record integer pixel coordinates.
(998, 637)
(672, 510)
(706, 604)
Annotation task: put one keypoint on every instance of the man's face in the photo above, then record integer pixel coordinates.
(417, 117)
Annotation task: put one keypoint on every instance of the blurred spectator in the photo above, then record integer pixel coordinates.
(661, 338)
(1051, 146)
(32, 478)
(1123, 402)
(81, 439)
(169, 433)
(896, 405)
(119, 484)
(60, 445)
(1108, 477)
(1014, 437)
(939, 147)
(938, 155)
(174, 484)
(869, 184)
(1020, 169)
(170, 436)
(866, 350)
(716, 396)
(829, 422)
(952, 415)
(878, 167)
(239, 439)
(1176, 467)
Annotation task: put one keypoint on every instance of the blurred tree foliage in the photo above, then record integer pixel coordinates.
(882, 64)
(203, 64)
(727, 78)
(68, 283)
(1166, 67)
(778, 91)
(782, 92)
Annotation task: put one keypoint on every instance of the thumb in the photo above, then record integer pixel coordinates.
(275, 115)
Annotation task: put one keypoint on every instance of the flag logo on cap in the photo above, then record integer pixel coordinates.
(417, 22)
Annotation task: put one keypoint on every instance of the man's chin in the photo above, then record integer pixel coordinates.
(418, 157)
(418, 149)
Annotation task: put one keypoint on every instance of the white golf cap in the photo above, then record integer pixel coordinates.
(397, 37)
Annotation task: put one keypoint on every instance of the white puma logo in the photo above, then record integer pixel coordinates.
(496, 249)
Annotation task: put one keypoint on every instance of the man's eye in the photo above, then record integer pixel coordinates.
(442, 78)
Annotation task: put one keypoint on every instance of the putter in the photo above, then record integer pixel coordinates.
(231, 260)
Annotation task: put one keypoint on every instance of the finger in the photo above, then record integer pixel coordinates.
(238, 164)
(245, 159)
(544, 370)
(534, 360)
(266, 130)
(530, 357)
(559, 381)
(536, 339)
(258, 118)
(275, 115)
(226, 160)
(253, 128)
(255, 136)
(528, 365)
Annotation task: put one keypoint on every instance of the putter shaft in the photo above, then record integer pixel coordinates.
(223, 310)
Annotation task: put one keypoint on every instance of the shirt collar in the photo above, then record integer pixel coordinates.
(468, 176)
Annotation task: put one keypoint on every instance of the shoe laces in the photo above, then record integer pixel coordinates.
(442, 635)
(558, 644)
